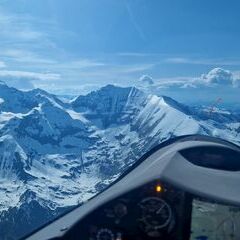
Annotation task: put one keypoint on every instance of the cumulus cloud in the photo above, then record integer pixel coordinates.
(217, 83)
(217, 76)
(25, 80)
(146, 80)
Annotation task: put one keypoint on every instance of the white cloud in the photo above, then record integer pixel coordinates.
(174, 83)
(217, 76)
(80, 64)
(86, 63)
(30, 75)
(24, 56)
(133, 68)
(202, 61)
(146, 80)
(27, 36)
(109, 71)
(177, 60)
(17, 26)
(25, 80)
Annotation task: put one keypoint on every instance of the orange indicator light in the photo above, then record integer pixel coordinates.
(158, 188)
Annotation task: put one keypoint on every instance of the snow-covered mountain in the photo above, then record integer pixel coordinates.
(54, 154)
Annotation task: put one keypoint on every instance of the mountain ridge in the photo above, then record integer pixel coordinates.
(67, 152)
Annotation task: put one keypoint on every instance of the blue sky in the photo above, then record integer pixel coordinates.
(73, 46)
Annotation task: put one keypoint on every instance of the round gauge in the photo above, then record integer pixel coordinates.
(105, 234)
(155, 214)
(120, 210)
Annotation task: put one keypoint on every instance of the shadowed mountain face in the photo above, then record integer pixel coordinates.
(54, 155)
(110, 105)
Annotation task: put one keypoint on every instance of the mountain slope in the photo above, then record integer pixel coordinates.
(54, 155)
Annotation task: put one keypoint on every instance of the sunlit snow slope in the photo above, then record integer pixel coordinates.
(54, 155)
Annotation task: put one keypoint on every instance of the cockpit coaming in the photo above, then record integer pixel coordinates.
(182, 189)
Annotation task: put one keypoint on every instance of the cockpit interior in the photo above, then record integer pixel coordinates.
(183, 189)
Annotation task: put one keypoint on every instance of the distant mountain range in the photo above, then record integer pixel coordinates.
(55, 154)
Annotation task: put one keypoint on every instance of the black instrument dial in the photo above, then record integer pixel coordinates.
(156, 214)
(105, 234)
